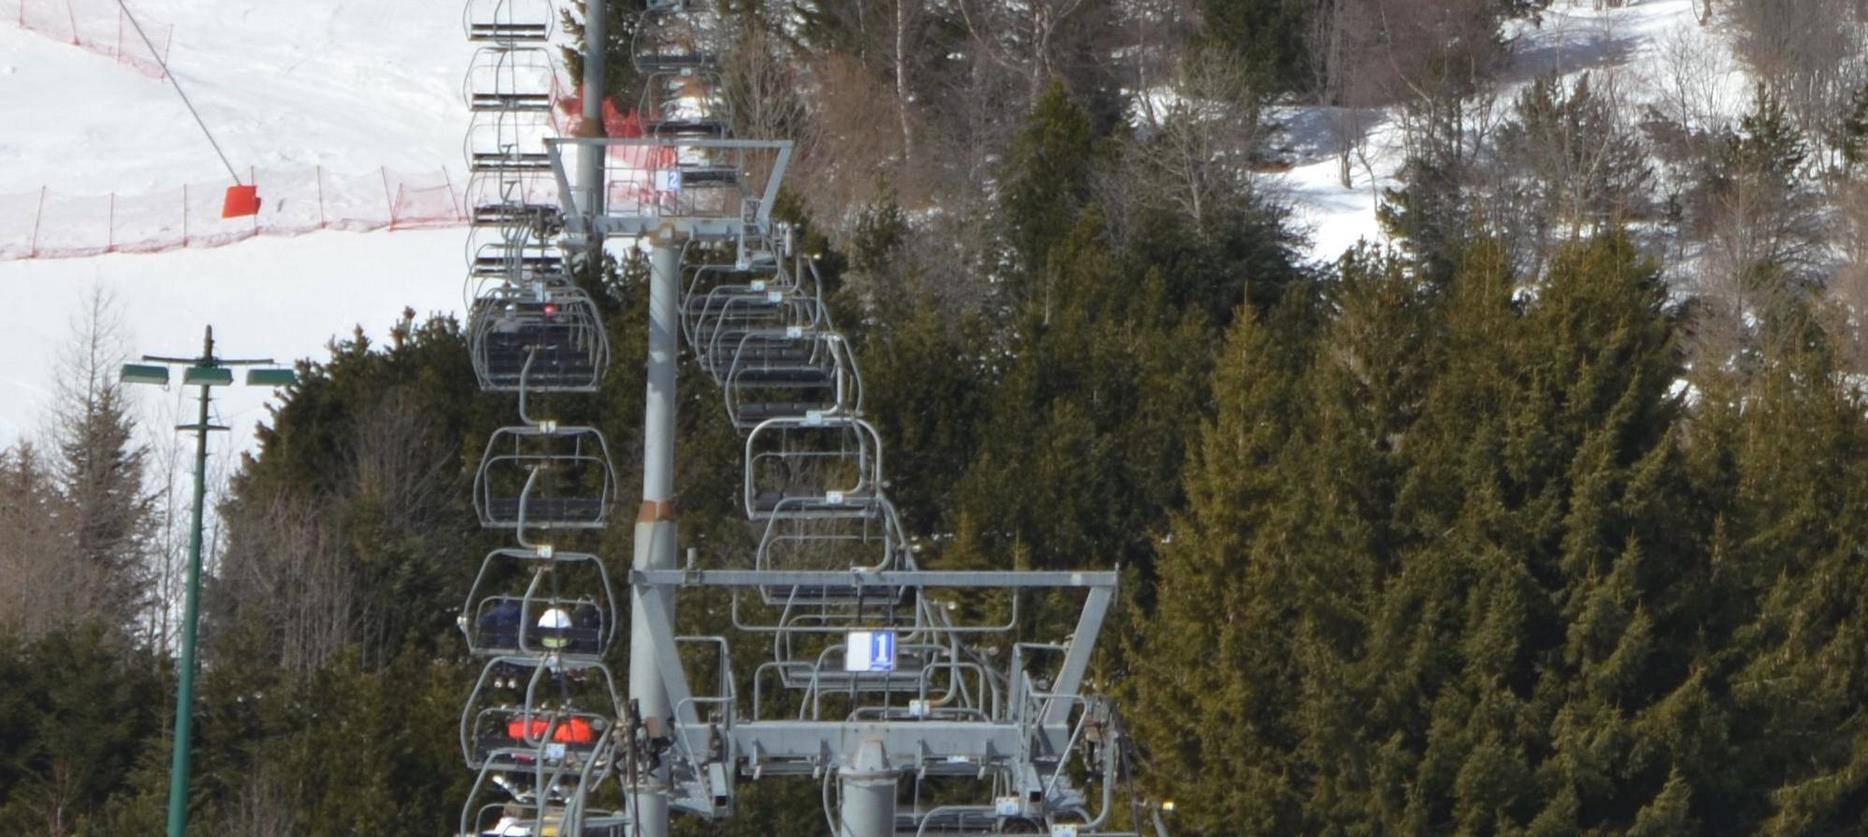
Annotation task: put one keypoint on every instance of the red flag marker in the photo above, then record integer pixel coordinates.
(241, 202)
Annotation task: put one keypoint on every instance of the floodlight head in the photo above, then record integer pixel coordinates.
(270, 377)
(145, 373)
(207, 376)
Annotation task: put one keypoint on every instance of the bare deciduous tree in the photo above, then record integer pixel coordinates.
(1198, 158)
(1029, 39)
(313, 571)
(1811, 54)
(1568, 163)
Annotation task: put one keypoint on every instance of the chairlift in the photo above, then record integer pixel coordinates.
(684, 103)
(755, 330)
(545, 476)
(668, 41)
(790, 373)
(508, 22)
(508, 141)
(501, 78)
(541, 602)
(812, 466)
(538, 336)
(527, 712)
(870, 542)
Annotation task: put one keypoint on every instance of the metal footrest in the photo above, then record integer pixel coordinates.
(508, 33)
(515, 162)
(523, 102)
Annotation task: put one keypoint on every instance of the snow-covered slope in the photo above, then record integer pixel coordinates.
(1639, 46)
(347, 84)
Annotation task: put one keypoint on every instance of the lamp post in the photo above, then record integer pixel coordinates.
(206, 371)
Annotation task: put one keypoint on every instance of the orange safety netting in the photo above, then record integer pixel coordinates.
(96, 25)
(49, 225)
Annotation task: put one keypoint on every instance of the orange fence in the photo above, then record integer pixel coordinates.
(97, 25)
(50, 225)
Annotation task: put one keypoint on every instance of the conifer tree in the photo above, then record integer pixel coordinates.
(1046, 182)
(1798, 550)
(1075, 457)
(621, 82)
(1212, 682)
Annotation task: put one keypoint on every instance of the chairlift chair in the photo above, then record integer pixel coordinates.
(540, 601)
(670, 40)
(708, 287)
(791, 373)
(520, 199)
(873, 542)
(812, 466)
(539, 336)
(508, 22)
(684, 103)
(544, 695)
(511, 737)
(501, 78)
(508, 141)
(517, 252)
(545, 476)
(770, 329)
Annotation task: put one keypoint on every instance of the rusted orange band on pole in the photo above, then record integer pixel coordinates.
(656, 511)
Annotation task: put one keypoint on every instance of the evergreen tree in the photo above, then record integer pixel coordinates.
(112, 515)
(1269, 36)
(1797, 544)
(1212, 682)
(1429, 212)
(1046, 181)
(1076, 458)
(35, 583)
(82, 707)
(108, 513)
(621, 81)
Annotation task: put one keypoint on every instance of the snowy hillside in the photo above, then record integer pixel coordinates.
(350, 85)
(1636, 46)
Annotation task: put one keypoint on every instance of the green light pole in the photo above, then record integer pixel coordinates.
(206, 372)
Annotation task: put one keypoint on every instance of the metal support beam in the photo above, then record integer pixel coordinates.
(590, 159)
(656, 531)
(1077, 659)
(868, 790)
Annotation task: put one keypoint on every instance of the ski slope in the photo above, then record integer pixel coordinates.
(350, 85)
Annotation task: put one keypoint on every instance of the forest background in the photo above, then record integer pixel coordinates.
(1548, 519)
